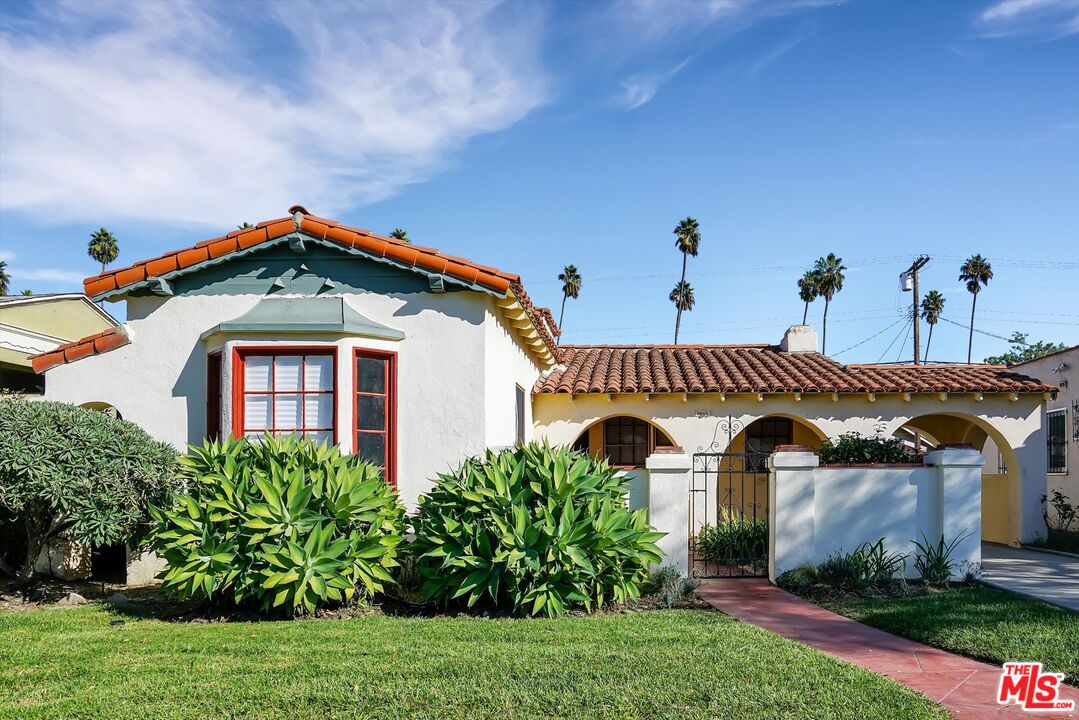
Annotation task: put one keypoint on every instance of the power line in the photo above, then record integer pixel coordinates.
(901, 332)
(983, 332)
(871, 337)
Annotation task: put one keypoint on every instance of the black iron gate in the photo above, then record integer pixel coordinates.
(728, 514)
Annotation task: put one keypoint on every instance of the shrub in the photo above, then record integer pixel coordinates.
(1064, 512)
(278, 522)
(870, 564)
(855, 448)
(799, 579)
(532, 529)
(739, 540)
(933, 561)
(66, 470)
(669, 585)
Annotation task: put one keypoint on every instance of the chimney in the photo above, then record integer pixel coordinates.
(799, 338)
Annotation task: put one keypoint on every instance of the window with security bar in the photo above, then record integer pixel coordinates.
(1057, 438)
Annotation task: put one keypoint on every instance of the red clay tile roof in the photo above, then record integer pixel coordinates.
(397, 251)
(758, 368)
(70, 352)
(427, 259)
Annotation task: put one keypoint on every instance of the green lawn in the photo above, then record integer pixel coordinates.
(663, 664)
(980, 622)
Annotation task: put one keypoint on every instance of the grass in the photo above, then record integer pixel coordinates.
(979, 622)
(72, 663)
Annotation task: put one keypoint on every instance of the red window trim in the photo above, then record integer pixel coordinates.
(243, 351)
(391, 405)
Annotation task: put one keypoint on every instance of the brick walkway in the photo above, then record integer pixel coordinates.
(965, 687)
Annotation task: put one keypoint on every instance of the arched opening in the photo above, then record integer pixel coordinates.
(103, 407)
(626, 441)
(1000, 474)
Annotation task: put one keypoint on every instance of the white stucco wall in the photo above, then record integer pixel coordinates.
(456, 372)
(1014, 421)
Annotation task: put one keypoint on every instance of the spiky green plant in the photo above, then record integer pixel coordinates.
(278, 522)
(532, 530)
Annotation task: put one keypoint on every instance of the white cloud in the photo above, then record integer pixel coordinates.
(53, 275)
(7, 255)
(1050, 18)
(189, 112)
(640, 89)
(777, 52)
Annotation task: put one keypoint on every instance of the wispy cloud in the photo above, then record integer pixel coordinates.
(777, 52)
(7, 255)
(654, 20)
(51, 275)
(1052, 133)
(164, 111)
(1049, 18)
(640, 89)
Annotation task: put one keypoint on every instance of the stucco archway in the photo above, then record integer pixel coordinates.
(1001, 481)
(103, 407)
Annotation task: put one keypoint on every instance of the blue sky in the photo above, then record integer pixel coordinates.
(529, 136)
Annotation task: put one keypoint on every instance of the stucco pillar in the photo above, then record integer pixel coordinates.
(668, 504)
(791, 512)
(1033, 462)
(959, 478)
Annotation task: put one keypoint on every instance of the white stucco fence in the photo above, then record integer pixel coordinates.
(817, 511)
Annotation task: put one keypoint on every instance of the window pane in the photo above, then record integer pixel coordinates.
(370, 375)
(256, 412)
(257, 373)
(370, 412)
(371, 447)
(318, 411)
(321, 437)
(318, 373)
(287, 372)
(286, 415)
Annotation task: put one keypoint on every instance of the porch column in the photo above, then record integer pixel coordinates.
(668, 503)
(791, 511)
(959, 477)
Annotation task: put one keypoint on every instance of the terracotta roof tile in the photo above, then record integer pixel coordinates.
(758, 368)
(78, 349)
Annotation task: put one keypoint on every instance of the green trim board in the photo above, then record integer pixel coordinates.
(305, 315)
(297, 263)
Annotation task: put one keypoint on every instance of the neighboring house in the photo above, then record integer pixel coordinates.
(417, 360)
(33, 324)
(1061, 370)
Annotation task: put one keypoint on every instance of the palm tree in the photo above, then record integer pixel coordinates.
(399, 234)
(27, 292)
(244, 226)
(103, 247)
(682, 297)
(688, 241)
(807, 290)
(932, 307)
(5, 279)
(976, 272)
(829, 275)
(571, 288)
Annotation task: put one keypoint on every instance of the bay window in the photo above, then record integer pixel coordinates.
(285, 391)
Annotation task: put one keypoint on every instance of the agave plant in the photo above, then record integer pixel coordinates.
(533, 529)
(282, 522)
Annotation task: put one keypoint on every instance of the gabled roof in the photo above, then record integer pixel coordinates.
(758, 368)
(507, 287)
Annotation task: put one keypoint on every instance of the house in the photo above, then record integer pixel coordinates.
(416, 360)
(33, 324)
(1061, 370)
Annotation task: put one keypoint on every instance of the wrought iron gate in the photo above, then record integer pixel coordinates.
(728, 511)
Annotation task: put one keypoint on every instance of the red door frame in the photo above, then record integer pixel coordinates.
(239, 352)
(391, 405)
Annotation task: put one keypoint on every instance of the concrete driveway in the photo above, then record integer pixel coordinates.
(1045, 576)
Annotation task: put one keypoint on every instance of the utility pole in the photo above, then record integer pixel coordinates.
(909, 281)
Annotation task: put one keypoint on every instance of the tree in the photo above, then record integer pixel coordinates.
(27, 292)
(682, 297)
(399, 234)
(976, 272)
(244, 226)
(103, 247)
(77, 473)
(807, 291)
(932, 307)
(829, 275)
(1022, 351)
(571, 288)
(687, 236)
(5, 279)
